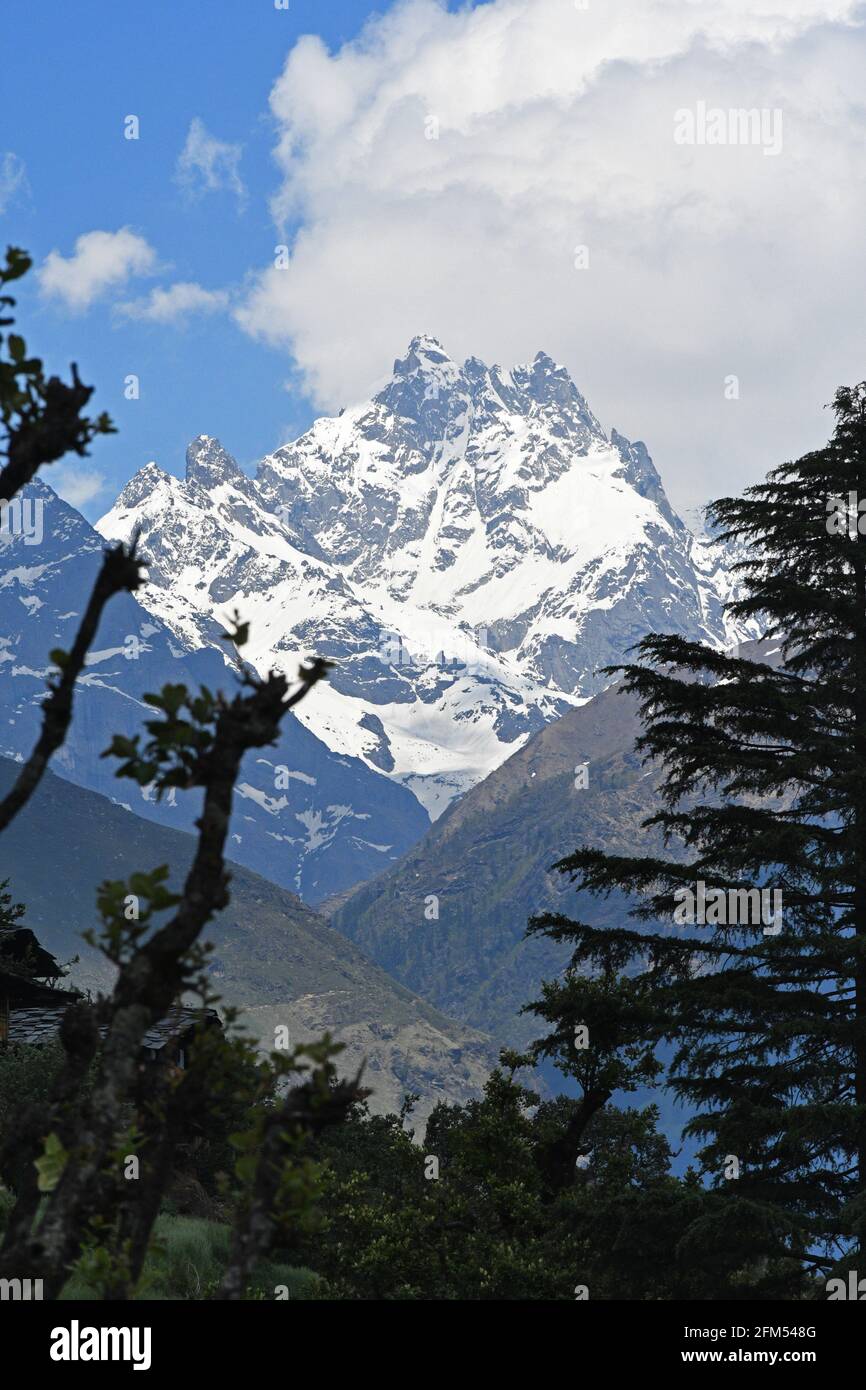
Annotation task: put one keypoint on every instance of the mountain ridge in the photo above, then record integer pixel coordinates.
(303, 814)
(469, 546)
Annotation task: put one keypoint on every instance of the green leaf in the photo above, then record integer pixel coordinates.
(17, 264)
(51, 1164)
(121, 747)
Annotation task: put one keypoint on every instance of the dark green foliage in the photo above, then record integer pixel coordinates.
(27, 1074)
(40, 416)
(491, 1225)
(764, 787)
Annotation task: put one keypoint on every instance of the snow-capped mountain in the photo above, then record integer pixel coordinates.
(469, 546)
(307, 818)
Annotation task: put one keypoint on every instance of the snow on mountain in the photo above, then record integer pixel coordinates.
(306, 818)
(469, 546)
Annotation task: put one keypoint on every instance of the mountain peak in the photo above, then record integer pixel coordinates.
(469, 545)
(547, 373)
(141, 485)
(420, 379)
(425, 354)
(209, 464)
(424, 344)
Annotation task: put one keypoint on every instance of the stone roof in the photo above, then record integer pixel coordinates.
(35, 1025)
(41, 1024)
(35, 1011)
(179, 1023)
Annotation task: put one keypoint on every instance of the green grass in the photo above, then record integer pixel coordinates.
(186, 1262)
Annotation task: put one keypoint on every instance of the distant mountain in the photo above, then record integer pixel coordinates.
(470, 546)
(274, 956)
(487, 863)
(307, 818)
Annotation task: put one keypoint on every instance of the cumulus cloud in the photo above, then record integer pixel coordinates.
(13, 179)
(206, 164)
(175, 303)
(102, 261)
(507, 177)
(78, 484)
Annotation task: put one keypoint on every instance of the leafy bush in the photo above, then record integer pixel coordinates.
(186, 1261)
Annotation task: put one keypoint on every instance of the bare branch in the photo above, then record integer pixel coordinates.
(121, 570)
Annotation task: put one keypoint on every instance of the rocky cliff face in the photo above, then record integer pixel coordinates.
(469, 545)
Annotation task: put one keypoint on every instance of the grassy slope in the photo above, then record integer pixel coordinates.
(488, 860)
(274, 955)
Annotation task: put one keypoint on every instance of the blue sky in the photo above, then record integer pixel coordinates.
(505, 175)
(63, 99)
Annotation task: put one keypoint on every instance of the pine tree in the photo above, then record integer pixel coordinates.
(763, 788)
(603, 1032)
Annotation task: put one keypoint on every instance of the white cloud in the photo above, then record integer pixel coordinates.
(13, 179)
(175, 303)
(78, 484)
(206, 164)
(555, 130)
(101, 261)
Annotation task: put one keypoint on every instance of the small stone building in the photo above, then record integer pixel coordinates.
(32, 1007)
